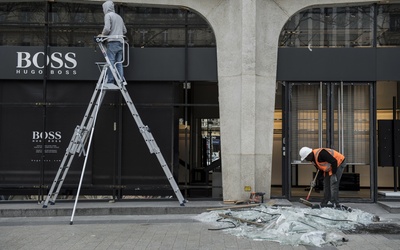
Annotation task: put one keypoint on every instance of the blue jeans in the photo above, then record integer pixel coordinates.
(114, 53)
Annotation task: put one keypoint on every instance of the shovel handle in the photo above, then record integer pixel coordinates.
(311, 187)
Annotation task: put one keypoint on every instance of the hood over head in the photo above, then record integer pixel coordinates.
(108, 6)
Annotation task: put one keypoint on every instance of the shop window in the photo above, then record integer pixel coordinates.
(75, 24)
(330, 27)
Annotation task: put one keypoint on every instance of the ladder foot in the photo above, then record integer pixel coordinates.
(44, 206)
(71, 222)
(182, 204)
(52, 203)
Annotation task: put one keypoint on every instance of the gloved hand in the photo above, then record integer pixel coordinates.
(312, 184)
(333, 179)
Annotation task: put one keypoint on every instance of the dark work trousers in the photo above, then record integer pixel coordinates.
(331, 188)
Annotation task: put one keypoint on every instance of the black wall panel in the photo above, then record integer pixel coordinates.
(22, 139)
(385, 143)
(145, 64)
(338, 64)
(157, 112)
(388, 143)
(326, 64)
(23, 119)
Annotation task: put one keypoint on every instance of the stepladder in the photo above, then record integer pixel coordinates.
(82, 137)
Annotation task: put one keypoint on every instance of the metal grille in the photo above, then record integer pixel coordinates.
(310, 119)
(305, 118)
(352, 122)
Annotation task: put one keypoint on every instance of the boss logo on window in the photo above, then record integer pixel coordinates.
(49, 136)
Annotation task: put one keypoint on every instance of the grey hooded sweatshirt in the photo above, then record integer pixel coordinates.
(113, 23)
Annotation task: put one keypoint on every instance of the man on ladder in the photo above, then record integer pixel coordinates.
(114, 28)
(84, 132)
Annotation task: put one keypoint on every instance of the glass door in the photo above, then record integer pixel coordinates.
(334, 115)
(353, 132)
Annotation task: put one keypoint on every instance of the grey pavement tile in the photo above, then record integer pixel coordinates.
(139, 232)
(393, 244)
(373, 241)
(392, 236)
(344, 247)
(286, 247)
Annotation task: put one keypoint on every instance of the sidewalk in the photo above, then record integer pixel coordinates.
(151, 225)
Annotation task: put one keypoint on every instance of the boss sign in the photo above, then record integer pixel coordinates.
(59, 63)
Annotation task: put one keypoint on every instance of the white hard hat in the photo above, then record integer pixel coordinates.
(304, 152)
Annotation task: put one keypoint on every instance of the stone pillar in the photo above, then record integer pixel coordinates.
(227, 23)
(247, 56)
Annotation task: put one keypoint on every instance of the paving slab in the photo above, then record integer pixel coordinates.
(152, 225)
(391, 206)
(89, 208)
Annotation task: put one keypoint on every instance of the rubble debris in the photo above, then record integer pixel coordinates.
(234, 207)
(227, 216)
(288, 225)
(256, 197)
(375, 228)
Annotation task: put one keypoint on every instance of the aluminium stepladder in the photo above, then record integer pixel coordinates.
(84, 132)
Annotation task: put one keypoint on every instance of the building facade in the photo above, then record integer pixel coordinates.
(243, 85)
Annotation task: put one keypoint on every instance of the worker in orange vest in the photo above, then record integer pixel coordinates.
(332, 164)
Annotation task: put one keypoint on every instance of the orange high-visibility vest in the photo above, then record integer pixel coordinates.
(326, 166)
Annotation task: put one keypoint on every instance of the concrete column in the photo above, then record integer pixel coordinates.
(248, 166)
(231, 94)
(247, 95)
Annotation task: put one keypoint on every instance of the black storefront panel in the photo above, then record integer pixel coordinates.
(118, 155)
(62, 63)
(82, 64)
(139, 166)
(338, 64)
(69, 93)
(327, 64)
(64, 120)
(22, 141)
(20, 149)
(21, 93)
(53, 108)
(141, 170)
(104, 145)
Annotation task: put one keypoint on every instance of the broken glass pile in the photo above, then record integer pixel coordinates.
(288, 225)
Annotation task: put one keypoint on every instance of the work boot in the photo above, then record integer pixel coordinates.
(336, 205)
(323, 203)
